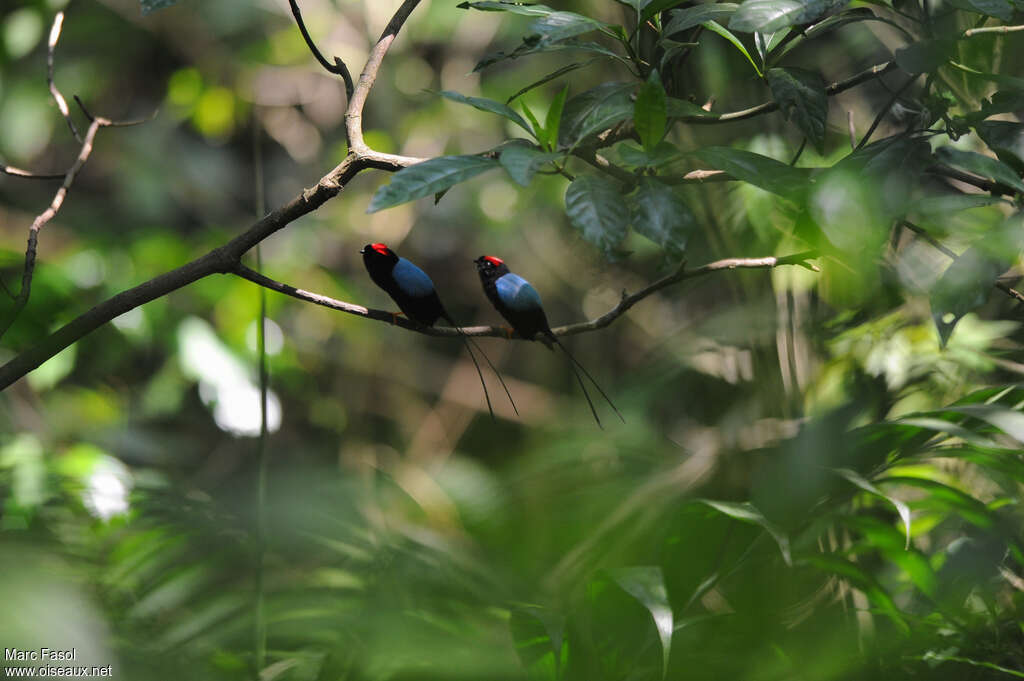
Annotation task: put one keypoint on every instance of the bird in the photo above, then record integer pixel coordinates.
(519, 303)
(413, 290)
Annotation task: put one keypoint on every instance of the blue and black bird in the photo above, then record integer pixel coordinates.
(413, 290)
(519, 303)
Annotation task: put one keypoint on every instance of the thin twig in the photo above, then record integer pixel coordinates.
(767, 107)
(883, 112)
(18, 172)
(62, 105)
(992, 29)
(967, 178)
(627, 301)
(853, 130)
(338, 68)
(33, 232)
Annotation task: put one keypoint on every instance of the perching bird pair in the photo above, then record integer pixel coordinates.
(514, 298)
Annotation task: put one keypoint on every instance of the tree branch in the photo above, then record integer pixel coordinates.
(992, 29)
(51, 46)
(628, 300)
(29, 268)
(338, 68)
(226, 258)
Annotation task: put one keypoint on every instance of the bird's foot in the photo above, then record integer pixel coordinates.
(509, 331)
(395, 316)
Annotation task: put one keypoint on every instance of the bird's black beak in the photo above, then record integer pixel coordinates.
(362, 251)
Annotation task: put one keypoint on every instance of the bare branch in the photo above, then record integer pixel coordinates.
(338, 68)
(992, 29)
(33, 231)
(58, 23)
(628, 300)
(967, 178)
(18, 172)
(354, 114)
(883, 113)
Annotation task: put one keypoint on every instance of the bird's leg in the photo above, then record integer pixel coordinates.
(395, 316)
(508, 331)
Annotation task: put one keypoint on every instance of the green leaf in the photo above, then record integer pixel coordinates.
(427, 178)
(554, 118)
(524, 8)
(761, 171)
(153, 5)
(949, 204)
(925, 56)
(662, 154)
(689, 112)
(558, 26)
(768, 16)
(546, 79)
(1007, 420)
(1006, 139)
(801, 96)
(715, 27)
(989, 168)
(596, 208)
(522, 161)
(538, 130)
(863, 581)
(488, 105)
(647, 585)
(535, 47)
(593, 111)
(660, 215)
(946, 498)
(748, 513)
(963, 287)
(650, 111)
(539, 638)
(655, 6)
(866, 485)
(1001, 9)
(684, 19)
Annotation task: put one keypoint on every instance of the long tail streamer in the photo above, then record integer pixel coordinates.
(575, 363)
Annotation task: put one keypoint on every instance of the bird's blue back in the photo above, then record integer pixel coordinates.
(516, 293)
(411, 279)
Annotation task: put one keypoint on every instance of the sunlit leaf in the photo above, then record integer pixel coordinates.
(716, 27)
(647, 585)
(427, 178)
(767, 16)
(490, 106)
(1007, 420)
(539, 639)
(553, 120)
(748, 513)
(866, 485)
(597, 209)
(558, 26)
(689, 17)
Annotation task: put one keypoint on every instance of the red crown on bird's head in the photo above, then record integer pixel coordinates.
(380, 248)
(494, 261)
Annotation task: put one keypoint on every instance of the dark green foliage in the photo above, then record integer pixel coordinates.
(820, 472)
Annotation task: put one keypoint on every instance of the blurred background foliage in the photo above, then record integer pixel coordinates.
(807, 485)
